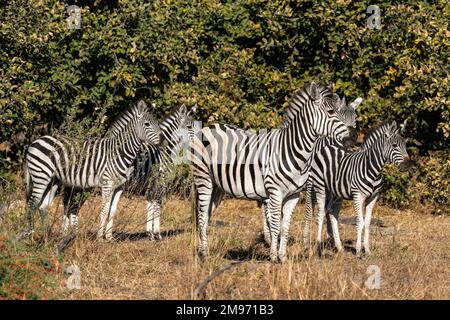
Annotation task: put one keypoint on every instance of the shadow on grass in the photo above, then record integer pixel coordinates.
(136, 236)
(259, 250)
(349, 246)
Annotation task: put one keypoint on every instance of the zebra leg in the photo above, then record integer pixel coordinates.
(321, 199)
(43, 208)
(40, 187)
(107, 194)
(370, 203)
(112, 212)
(275, 204)
(154, 204)
(334, 222)
(205, 190)
(265, 219)
(329, 233)
(153, 215)
(309, 206)
(288, 208)
(358, 201)
(73, 200)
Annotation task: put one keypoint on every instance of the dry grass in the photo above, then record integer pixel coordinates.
(412, 251)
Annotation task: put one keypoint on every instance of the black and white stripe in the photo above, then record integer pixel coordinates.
(265, 166)
(336, 174)
(106, 163)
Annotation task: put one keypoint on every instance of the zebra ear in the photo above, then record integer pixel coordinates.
(392, 129)
(182, 109)
(141, 104)
(194, 108)
(356, 103)
(314, 90)
(403, 126)
(336, 101)
(343, 103)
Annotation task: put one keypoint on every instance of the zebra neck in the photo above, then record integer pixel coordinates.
(375, 157)
(128, 145)
(300, 137)
(166, 160)
(172, 145)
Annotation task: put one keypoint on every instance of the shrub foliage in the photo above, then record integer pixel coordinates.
(239, 60)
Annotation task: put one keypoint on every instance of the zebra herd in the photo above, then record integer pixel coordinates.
(309, 152)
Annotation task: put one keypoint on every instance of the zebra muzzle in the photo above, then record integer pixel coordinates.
(352, 137)
(406, 164)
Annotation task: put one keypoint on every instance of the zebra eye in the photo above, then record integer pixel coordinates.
(331, 111)
(146, 123)
(394, 145)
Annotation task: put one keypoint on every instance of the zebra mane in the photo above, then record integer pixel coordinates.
(123, 119)
(299, 99)
(172, 115)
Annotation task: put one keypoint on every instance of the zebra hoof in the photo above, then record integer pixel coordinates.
(109, 238)
(339, 249)
(283, 258)
(157, 236)
(274, 258)
(203, 253)
(153, 236)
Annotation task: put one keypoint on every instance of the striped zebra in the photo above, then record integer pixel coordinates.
(269, 165)
(104, 163)
(336, 174)
(176, 130)
(347, 112)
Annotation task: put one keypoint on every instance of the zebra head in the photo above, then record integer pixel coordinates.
(347, 112)
(395, 147)
(147, 126)
(178, 129)
(327, 119)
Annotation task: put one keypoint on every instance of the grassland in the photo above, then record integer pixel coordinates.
(411, 248)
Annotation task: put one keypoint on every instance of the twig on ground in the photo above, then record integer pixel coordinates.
(199, 293)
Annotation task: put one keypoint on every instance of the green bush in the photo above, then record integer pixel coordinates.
(240, 61)
(428, 184)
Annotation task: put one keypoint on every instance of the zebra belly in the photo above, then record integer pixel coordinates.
(81, 178)
(244, 184)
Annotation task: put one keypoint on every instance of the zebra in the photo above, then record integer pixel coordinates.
(337, 174)
(264, 166)
(347, 113)
(105, 163)
(176, 130)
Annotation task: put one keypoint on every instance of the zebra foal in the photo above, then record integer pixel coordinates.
(336, 174)
(105, 163)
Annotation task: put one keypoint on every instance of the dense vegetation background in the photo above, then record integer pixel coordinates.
(239, 60)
